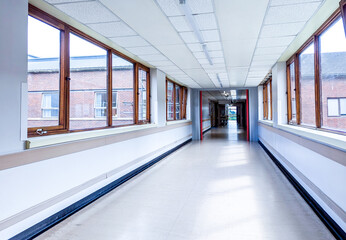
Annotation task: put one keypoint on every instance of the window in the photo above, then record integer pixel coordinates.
(267, 102)
(176, 101)
(307, 86)
(43, 74)
(170, 100)
(73, 78)
(321, 77)
(123, 84)
(143, 95)
(291, 93)
(88, 73)
(50, 105)
(332, 73)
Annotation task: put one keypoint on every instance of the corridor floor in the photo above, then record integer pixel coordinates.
(220, 188)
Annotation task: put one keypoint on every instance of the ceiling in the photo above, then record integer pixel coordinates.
(243, 39)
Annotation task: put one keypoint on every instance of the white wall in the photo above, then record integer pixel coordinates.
(13, 68)
(205, 112)
(321, 176)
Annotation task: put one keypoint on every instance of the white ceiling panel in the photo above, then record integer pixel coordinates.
(281, 30)
(131, 41)
(180, 24)
(88, 12)
(206, 21)
(275, 42)
(154, 58)
(189, 37)
(161, 63)
(214, 46)
(218, 60)
(216, 54)
(200, 6)
(288, 2)
(195, 47)
(290, 13)
(147, 50)
(64, 1)
(269, 50)
(263, 63)
(257, 74)
(199, 55)
(239, 53)
(272, 57)
(113, 29)
(211, 35)
(237, 75)
(169, 7)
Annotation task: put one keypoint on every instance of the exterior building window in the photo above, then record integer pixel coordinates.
(176, 101)
(78, 83)
(43, 74)
(307, 86)
(143, 95)
(267, 102)
(50, 105)
(321, 77)
(170, 100)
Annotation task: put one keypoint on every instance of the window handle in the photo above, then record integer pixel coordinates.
(40, 131)
(68, 78)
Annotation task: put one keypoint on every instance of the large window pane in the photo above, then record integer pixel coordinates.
(293, 92)
(170, 101)
(43, 74)
(88, 71)
(332, 75)
(269, 100)
(307, 86)
(123, 100)
(142, 95)
(177, 102)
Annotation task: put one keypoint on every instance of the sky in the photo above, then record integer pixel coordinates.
(43, 41)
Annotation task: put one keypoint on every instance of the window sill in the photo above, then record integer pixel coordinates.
(177, 122)
(70, 137)
(266, 122)
(331, 139)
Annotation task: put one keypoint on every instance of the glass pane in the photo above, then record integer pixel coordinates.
(343, 106)
(265, 106)
(88, 71)
(142, 96)
(332, 74)
(268, 97)
(177, 102)
(307, 86)
(293, 92)
(333, 107)
(43, 74)
(170, 101)
(123, 92)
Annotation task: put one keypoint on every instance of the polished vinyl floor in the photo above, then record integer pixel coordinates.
(220, 188)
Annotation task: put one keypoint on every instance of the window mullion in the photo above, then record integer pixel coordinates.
(317, 81)
(66, 78)
(109, 88)
(297, 91)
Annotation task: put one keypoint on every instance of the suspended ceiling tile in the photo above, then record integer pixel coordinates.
(281, 30)
(214, 46)
(130, 41)
(199, 55)
(180, 24)
(263, 63)
(189, 37)
(171, 69)
(216, 54)
(290, 13)
(270, 50)
(288, 2)
(200, 6)
(257, 74)
(206, 21)
(88, 12)
(272, 57)
(169, 7)
(156, 57)
(64, 1)
(195, 47)
(218, 60)
(275, 42)
(140, 51)
(161, 63)
(239, 53)
(113, 29)
(211, 35)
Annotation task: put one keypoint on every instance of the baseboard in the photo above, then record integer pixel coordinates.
(49, 222)
(207, 130)
(333, 227)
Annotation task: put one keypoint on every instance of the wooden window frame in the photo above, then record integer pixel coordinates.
(343, 13)
(64, 90)
(295, 58)
(182, 99)
(266, 104)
